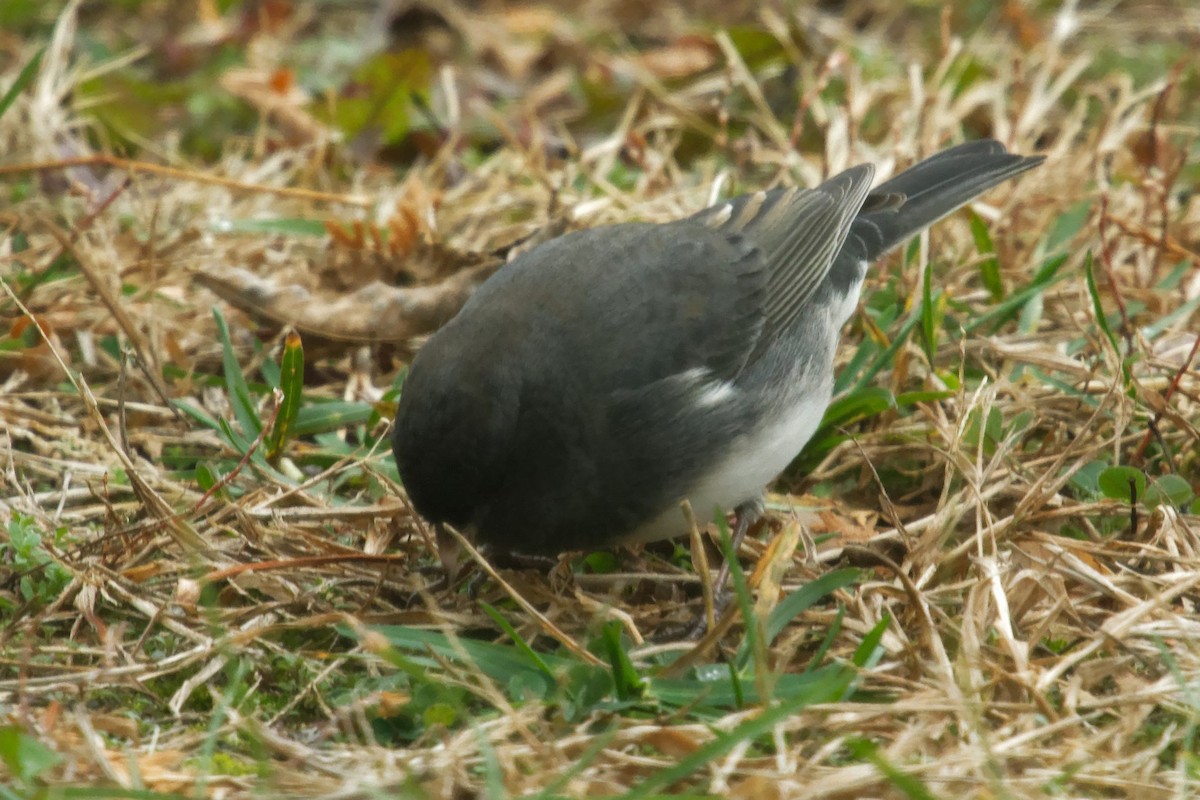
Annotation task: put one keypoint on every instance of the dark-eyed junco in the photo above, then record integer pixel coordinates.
(594, 383)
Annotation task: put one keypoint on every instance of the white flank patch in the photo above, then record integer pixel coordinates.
(709, 392)
(715, 393)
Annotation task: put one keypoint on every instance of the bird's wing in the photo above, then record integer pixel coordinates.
(635, 304)
(798, 232)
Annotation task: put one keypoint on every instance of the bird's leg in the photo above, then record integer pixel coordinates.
(747, 514)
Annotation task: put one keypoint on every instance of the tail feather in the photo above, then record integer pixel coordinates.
(932, 189)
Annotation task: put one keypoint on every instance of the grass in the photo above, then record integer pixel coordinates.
(225, 230)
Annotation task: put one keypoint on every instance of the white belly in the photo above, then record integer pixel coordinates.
(744, 471)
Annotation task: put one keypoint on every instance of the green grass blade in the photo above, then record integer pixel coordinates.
(827, 643)
(24, 756)
(929, 314)
(1097, 306)
(710, 690)
(522, 646)
(323, 417)
(1047, 275)
(1181, 314)
(989, 267)
(628, 683)
(24, 78)
(242, 444)
(493, 773)
(735, 685)
(753, 645)
(803, 598)
(201, 416)
(748, 730)
(868, 652)
(105, 793)
(235, 383)
(233, 438)
(799, 601)
(856, 405)
(888, 356)
(206, 477)
(1067, 226)
(1102, 321)
(867, 349)
(283, 226)
(1031, 314)
(498, 661)
(851, 407)
(291, 383)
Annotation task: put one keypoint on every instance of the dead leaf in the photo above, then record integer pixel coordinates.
(85, 603)
(391, 704)
(375, 313)
(37, 359)
(116, 725)
(755, 787)
(672, 742)
(277, 96)
(686, 56)
(772, 568)
(143, 572)
(159, 771)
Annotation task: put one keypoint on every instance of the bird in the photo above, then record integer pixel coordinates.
(594, 383)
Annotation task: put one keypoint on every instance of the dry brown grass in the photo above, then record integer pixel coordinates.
(1041, 643)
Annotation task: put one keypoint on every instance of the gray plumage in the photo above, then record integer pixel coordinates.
(599, 379)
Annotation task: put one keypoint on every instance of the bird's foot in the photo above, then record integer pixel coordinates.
(747, 514)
